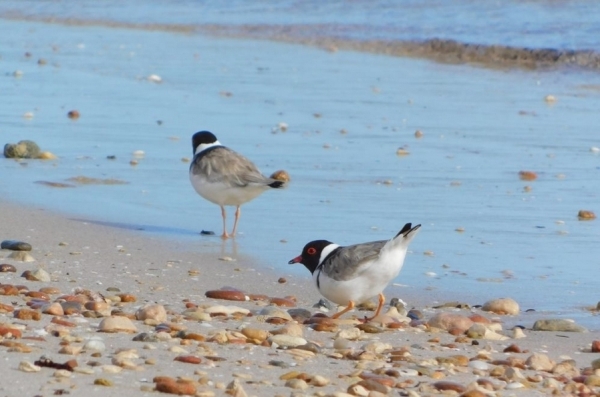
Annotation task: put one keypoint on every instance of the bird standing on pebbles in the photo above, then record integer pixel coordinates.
(353, 274)
(225, 177)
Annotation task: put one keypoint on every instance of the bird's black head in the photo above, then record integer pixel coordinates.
(202, 137)
(311, 254)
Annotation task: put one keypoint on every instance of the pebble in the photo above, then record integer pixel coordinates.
(151, 312)
(501, 306)
(188, 359)
(103, 382)
(22, 150)
(21, 256)
(349, 334)
(53, 308)
(27, 366)
(281, 175)
(450, 322)
(274, 311)
(298, 384)
(226, 310)
(527, 175)
(586, 215)
(560, 325)
(595, 346)
(539, 362)
(171, 386)
(287, 341)
(73, 114)
(256, 334)
(94, 344)
(15, 245)
(117, 324)
(6, 268)
(232, 295)
(235, 389)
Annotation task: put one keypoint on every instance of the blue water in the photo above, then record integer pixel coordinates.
(480, 126)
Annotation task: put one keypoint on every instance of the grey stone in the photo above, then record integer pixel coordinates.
(559, 325)
(15, 245)
(22, 150)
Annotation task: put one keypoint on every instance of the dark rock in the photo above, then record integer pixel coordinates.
(145, 337)
(15, 245)
(207, 233)
(414, 314)
(299, 314)
(22, 150)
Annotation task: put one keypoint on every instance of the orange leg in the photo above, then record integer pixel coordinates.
(378, 310)
(224, 216)
(237, 218)
(346, 310)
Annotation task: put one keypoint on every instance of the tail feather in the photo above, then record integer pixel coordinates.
(404, 237)
(277, 184)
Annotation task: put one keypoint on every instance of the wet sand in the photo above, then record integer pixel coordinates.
(115, 266)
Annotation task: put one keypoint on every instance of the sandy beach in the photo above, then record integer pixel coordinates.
(491, 148)
(250, 347)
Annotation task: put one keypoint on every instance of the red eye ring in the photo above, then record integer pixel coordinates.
(311, 251)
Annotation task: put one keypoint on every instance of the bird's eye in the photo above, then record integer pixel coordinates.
(311, 251)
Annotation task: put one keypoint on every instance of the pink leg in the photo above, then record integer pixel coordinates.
(237, 217)
(224, 215)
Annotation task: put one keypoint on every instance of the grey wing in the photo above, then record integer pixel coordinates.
(351, 261)
(224, 165)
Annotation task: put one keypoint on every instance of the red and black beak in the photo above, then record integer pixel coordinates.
(297, 259)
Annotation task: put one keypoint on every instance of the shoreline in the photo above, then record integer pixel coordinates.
(444, 51)
(213, 353)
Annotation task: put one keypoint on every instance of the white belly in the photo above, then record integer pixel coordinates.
(224, 194)
(371, 282)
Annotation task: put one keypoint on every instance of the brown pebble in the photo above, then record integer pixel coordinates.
(281, 175)
(527, 175)
(189, 359)
(384, 380)
(282, 302)
(7, 332)
(596, 346)
(446, 385)
(172, 386)
(8, 289)
(50, 290)
(585, 215)
(28, 314)
(37, 295)
(103, 382)
(73, 114)
(64, 323)
(478, 318)
(4, 308)
(512, 349)
(231, 295)
(325, 327)
(194, 336)
(5, 268)
(282, 280)
(127, 298)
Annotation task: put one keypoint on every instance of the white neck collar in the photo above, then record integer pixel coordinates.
(326, 251)
(204, 146)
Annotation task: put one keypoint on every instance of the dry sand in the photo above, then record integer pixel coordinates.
(409, 360)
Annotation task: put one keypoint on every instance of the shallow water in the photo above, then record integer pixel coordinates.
(480, 127)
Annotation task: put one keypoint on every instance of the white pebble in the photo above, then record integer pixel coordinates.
(26, 366)
(478, 364)
(154, 78)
